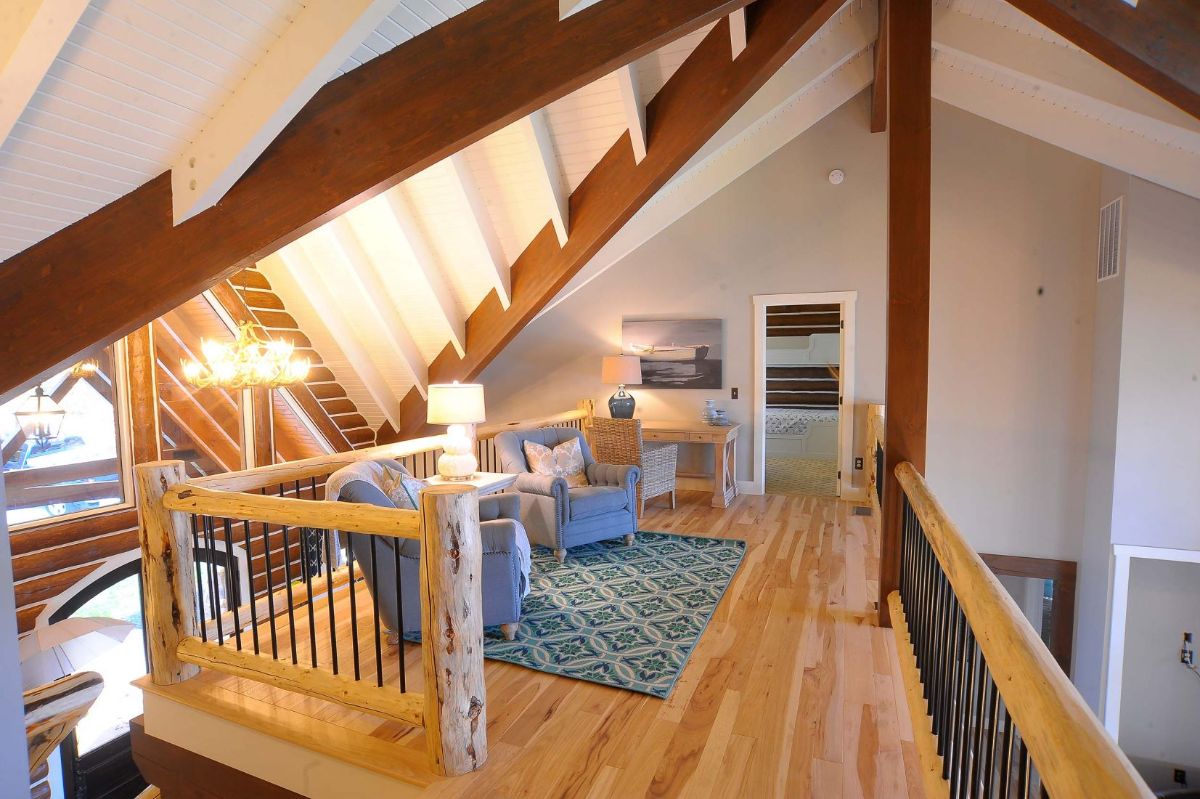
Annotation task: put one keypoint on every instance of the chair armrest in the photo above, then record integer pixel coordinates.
(498, 535)
(607, 474)
(499, 506)
(547, 486)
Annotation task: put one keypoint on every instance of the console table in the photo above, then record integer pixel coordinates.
(723, 440)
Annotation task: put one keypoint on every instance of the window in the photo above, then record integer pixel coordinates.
(116, 595)
(76, 464)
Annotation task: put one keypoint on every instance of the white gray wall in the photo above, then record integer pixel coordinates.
(1160, 700)
(1009, 368)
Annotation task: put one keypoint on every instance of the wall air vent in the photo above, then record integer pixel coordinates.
(1109, 257)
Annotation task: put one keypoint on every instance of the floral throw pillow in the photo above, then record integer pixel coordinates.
(565, 460)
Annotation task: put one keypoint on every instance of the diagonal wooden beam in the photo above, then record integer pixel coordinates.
(127, 264)
(698, 99)
(1155, 43)
(31, 34)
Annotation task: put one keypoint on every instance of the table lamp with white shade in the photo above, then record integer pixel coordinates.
(621, 370)
(459, 405)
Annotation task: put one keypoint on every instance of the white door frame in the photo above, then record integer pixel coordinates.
(1122, 555)
(846, 299)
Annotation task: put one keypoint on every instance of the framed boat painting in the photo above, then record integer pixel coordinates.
(676, 353)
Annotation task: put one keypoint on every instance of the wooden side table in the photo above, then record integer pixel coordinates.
(723, 440)
(484, 482)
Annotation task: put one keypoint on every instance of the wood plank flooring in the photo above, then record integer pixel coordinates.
(793, 691)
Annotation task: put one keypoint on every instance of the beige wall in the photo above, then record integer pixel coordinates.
(1009, 367)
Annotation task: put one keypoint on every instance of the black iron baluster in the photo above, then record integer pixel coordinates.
(963, 717)
(199, 576)
(1023, 771)
(989, 763)
(375, 610)
(983, 685)
(266, 533)
(399, 613)
(212, 578)
(232, 590)
(291, 603)
(1006, 754)
(306, 554)
(353, 604)
(250, 582)
(952, 705)
(327, 545)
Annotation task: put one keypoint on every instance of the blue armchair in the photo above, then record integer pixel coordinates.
(560, 517)
(503, 581)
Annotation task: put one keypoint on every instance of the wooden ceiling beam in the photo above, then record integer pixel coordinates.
(553, 185)
(634, 108)
(430, 267)
(699, 98)
(1155, 43)
(489, 238)
(127, 264)
(319, 39)
(31, 35)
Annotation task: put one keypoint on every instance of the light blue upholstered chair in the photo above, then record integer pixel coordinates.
(559, 517)
(503, 583)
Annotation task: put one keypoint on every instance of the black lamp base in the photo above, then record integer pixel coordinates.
(620, 405)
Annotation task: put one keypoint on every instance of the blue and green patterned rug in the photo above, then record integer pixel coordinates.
(623, 616)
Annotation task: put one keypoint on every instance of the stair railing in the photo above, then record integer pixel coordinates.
(1000, 717)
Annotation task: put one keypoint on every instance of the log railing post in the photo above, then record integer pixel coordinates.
(168, 577)
(452, 629)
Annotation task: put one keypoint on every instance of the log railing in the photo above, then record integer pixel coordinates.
(1005, 719)
(254, 574)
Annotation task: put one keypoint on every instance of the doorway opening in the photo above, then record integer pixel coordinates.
(804, 404)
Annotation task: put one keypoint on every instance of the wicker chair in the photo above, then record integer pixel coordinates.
(619, 441)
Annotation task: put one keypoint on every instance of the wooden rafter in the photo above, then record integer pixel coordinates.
(352, 141)
(431, 269)
(634, 108)
(485, 226)
(1155, 43)
(316, 42)
(536, 129)
(737, 32)
(698, 99)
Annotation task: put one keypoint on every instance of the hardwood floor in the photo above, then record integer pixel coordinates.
(792, 691)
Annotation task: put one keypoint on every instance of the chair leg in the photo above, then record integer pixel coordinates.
(509, 631)
(672, 499)
(393, 638)
(560, 555)
(629, 540)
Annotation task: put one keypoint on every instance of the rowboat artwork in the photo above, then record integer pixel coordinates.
(676, 353)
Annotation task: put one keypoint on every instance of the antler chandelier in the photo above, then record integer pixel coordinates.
(245, 363)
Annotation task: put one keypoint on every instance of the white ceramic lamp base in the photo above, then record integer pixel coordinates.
(458, 460)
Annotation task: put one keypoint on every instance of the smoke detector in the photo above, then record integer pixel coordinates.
(836, 177)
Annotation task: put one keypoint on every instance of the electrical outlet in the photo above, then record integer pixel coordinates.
(858, 464)
(733, 393)
(1180, 777)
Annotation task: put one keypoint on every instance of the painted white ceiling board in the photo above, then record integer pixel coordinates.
(286, 77)
(657, 68)
(408, 19)
(373, 298)
(31, 34)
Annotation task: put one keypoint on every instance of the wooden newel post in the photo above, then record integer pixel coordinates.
(452, 629)
(168, 574)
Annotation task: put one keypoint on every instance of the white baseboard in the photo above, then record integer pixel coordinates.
(747, 487)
